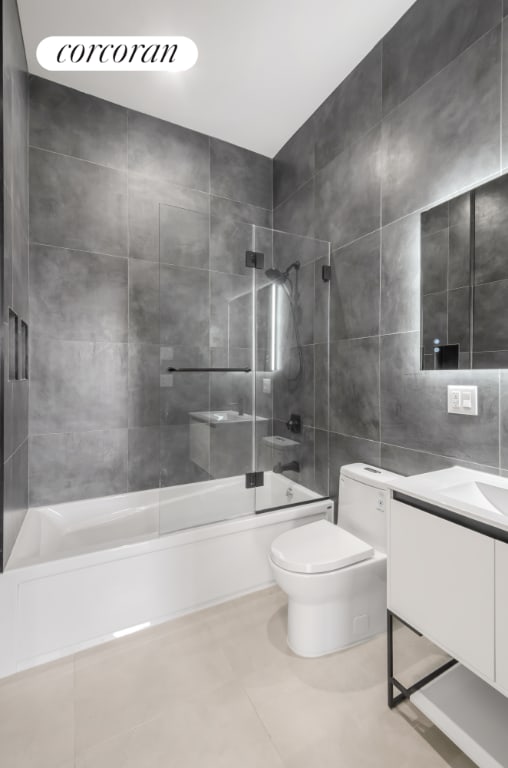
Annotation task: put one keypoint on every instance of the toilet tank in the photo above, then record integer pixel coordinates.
(363, 498)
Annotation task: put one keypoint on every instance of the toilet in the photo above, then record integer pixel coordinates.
(335, 575)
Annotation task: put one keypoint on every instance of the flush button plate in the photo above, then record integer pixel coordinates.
(463, 400)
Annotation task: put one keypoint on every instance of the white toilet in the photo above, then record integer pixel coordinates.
(335, 575)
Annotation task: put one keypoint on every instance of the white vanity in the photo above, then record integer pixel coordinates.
(448, 580)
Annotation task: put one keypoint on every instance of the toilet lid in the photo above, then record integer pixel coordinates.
(318, 548)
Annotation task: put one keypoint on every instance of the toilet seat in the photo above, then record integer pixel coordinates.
(318, 547)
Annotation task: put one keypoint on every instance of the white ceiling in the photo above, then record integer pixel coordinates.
(263, 68)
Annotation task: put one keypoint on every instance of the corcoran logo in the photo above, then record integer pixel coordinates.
(100, 54)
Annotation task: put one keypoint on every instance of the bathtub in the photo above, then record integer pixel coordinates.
(84, 572)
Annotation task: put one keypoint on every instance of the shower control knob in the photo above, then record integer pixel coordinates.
(295, 423)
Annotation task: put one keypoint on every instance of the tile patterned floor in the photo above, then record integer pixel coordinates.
(220, 689)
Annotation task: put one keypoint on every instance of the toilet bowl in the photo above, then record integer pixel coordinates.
(335, 575)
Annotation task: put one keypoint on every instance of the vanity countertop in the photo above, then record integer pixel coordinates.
(475, 495)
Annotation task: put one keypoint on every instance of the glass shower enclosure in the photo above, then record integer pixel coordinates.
(244, 359)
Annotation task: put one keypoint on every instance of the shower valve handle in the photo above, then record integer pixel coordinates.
(295, 423)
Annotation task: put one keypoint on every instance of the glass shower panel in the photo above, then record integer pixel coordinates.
(206, 368)
(292, 297)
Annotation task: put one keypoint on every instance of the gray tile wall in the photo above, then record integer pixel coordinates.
(420, 119)
(110, 190)
(15, 269)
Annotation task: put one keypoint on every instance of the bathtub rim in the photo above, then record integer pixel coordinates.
(184, 537)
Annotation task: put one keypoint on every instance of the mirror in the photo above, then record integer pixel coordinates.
(464, 280)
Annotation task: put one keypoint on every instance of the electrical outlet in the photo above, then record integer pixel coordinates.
(463, 400)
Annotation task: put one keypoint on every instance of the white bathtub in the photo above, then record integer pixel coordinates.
(82, 572)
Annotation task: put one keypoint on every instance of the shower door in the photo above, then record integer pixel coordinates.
(292, 368)
(207, 403)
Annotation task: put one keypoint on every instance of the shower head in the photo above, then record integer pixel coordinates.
(276, 276)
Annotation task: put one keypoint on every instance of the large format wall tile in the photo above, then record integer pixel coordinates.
(445, 136)
(349, 450)
(223, 208)
(350, 111)
(176, 467)
(427, 38)
(184, 237)
(184, 393)
(76, 204)
(184, 306)
(143, 301)
(73, 123)
(240, 174)
(77, 295)
(77, 386)
(146, 196)
(229, 240)
(354, 295)
(400, 276)
(164, 150)
(354, 392)
(143, 467)
(407, 461)
(413, 406)
(82, 465)
(293, 165)
(15, 484)
(296, 214)
(347, 193)
(144, 382)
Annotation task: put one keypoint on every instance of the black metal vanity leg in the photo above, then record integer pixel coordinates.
(389, 635)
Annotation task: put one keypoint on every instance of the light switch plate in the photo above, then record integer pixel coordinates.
(463, 400)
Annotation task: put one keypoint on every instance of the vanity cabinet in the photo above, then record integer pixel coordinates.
(441, 582)
(502, 616)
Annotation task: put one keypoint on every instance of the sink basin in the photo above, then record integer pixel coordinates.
(223, 417)
(481, 494)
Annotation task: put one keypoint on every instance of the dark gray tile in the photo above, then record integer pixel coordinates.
(491, 231)
(223, 208)
(434, 320)
(505, 8)
(167, 151)
(296, 214)
(19, 262)
(446, 135)
(491, 317)
(230, 311)
(503, 459)
(77, 295)
(76, 204)
(349, 450)
(79, 465)
(354, 393)
(234, 391)
(303, 453)
(77, 386)
(414, 406)
(351, 110)
(18, 419)
(143, 301)
(489, 360)
(295, 393)
(405, 461)
(144, 385)
(341, 216)
(176, 466)
(231, 447)
(458, 318)
(434, 262)
(303, 306)
(74, 123)
(183, 393)
(459, 256)
(293, 165)
(240, 174)
(427, 38)
(435, 219)
(15, 498)
(288, 247)
(229, 241)
(321, 386)
(504, 136)
(184, 237)
(143, 464)
(354, 292)
(400, 276)
(145, 197)
(321, 461)
(184, 306)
